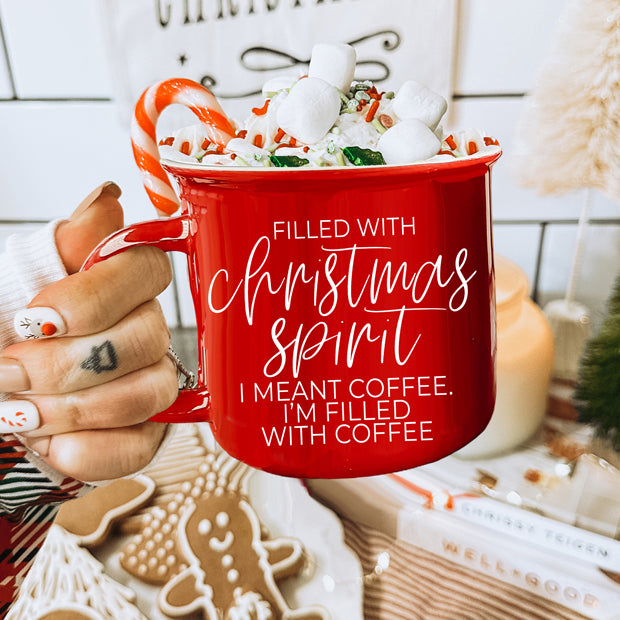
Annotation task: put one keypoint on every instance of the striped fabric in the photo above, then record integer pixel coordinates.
(28, 503)
(418, 585)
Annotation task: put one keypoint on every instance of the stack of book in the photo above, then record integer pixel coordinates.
(530, 534)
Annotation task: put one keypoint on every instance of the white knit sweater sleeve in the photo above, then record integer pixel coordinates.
(28, 265)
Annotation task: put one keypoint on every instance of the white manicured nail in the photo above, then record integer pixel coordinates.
(39, 322)
(18, 416)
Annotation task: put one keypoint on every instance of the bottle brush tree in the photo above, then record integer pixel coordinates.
(598, 390)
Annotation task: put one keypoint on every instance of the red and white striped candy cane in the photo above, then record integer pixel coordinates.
(143, 132)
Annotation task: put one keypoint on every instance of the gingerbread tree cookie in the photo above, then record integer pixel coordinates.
(67, 578)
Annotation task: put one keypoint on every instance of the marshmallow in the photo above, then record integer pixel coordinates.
(334, 63)
(310, 110)
(246, 150)
(407, 142)
(279, 82)
(415, 100)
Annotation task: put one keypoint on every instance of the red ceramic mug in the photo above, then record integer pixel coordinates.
(345, 316)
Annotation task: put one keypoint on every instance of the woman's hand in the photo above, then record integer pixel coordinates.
(95, 367)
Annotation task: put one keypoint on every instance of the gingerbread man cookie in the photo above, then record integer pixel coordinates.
(152, 555)
(229, 573)
(205, 546)
(91, 517)
(179, 462)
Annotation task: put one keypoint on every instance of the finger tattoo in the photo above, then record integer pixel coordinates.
(101, 359)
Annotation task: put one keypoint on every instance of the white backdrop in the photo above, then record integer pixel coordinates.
(61, 133)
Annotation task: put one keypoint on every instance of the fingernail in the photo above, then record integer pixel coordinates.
(17, 416)
(13, 376)
(109, 187)
(39, 322)
(39, 445)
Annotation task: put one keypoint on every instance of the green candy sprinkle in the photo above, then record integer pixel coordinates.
(376, 123)
(363, 157)
(288, 161)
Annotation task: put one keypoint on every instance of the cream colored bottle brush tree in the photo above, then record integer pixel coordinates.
(568, 139)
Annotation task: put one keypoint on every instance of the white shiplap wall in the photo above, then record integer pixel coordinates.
(61, 133)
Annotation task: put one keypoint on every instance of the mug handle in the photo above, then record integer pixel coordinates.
(171, 234)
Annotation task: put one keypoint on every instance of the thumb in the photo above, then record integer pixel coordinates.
(98, 215)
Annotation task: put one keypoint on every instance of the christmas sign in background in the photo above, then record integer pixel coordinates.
(233, 46)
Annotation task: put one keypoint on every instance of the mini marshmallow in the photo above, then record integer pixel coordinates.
(279, 82)
(310, 110)
(407, 142)
(249, 152)
(334, 63)
(414, 100)
(469, 141)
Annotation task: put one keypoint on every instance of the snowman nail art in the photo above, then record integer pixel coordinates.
(39, 323)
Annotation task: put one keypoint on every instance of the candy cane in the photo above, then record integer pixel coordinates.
(143, 132)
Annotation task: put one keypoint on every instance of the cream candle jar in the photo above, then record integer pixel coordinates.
(524, 362)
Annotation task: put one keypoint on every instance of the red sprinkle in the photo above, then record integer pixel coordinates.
(490, 141)
(472, 147)
(205, 144)
(186, 149)
(306, 149)
(233, 156)
(444, 152)
(279, 134)
(450, 142)
(167, 141)
(258, 141)
(371, 111)
(287, 145)
(242, 133)
(263, 110)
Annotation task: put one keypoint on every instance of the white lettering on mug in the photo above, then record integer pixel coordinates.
(336, 277)
(383, 280)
